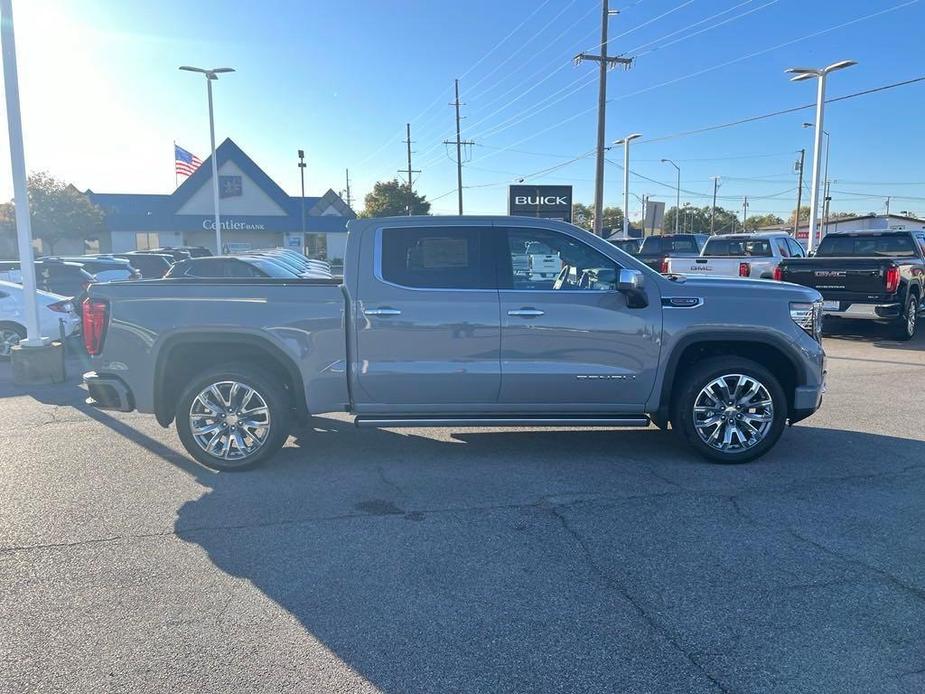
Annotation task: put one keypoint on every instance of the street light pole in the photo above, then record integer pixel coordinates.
(302, 201)
(626, 180)
(677, 204)
(800, 74)
(713, 209)
(210, 76)
(20, 189)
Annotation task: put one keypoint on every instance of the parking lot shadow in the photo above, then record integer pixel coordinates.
(871, 333)
(520, 560)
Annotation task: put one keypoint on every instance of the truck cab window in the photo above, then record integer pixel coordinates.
(441, 258)
(543, 260)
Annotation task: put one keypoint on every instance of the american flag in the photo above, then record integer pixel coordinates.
(186, 162)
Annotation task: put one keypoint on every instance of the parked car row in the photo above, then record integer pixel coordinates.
(59, 279)
(862, 275)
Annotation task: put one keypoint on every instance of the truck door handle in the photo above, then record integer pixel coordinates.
(526, 312)
(381, 312)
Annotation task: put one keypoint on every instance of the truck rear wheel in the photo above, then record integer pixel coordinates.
(908, 321)
(233, 417)
(729, 409)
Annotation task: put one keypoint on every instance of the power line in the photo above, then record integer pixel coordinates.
(459, 142)
(782, 112)
(769, 50)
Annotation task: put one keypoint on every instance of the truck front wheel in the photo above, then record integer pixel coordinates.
(233, 417)
(729, 409)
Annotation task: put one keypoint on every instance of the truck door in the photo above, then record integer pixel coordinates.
(571, 344)
(427, 319)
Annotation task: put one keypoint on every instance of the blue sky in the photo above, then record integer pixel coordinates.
(103, 99)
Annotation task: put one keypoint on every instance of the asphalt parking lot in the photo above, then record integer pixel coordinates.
(470, 560)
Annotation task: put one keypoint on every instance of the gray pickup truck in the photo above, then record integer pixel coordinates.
(435, 323)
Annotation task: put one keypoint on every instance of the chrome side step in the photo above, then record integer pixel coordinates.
(501, 421)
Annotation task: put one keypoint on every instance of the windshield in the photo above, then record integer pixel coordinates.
(656, 245)
(892, 246)
(719, 247)
(271, 268)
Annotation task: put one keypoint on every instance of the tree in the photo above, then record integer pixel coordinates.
(583, 216)
(58, 211)
(391, 198)
(756, 221)
(804, 214)
(696, 220)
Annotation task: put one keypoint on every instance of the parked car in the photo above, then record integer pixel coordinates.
(174, 253)
(431, 326)
(54, 311)
(866, 275)
(105, 268)
(150, 265)
(51, 275)
(229, 266)
(303, 270)
(195, 251)
(630, 246)
(739, 255)
(655, 250)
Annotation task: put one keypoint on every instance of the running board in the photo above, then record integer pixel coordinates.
(501, 421)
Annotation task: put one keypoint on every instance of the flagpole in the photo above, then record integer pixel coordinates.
(176, 181)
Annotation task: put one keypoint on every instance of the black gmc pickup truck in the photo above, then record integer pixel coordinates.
(873, 275)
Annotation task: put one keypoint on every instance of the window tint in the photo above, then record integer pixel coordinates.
(834, 246)
(541, 259)
(718, 247)
(654, 245)
(921, 240)
(269, 268)
(796, 250)
(434, 258)
(782, 247)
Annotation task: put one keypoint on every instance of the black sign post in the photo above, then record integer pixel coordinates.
(545, 202)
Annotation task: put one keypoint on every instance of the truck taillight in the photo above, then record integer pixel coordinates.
(94, 315)
(664, 268)
(892, 279)
(779, 273)
(744, 269)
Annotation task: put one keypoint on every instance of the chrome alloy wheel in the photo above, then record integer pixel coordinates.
(229, 420)
(8, 340)
(733, 413)
(911, 318)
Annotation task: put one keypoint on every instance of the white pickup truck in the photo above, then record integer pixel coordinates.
(739, 255)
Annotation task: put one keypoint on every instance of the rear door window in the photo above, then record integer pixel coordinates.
(435, 258)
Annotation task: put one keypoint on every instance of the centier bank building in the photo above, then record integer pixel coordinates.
(255, 213)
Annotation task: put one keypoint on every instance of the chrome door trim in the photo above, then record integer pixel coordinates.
(526, 312)
(381, 312)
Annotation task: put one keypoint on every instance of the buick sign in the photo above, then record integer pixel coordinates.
(546, 202)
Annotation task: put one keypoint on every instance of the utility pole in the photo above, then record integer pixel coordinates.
(302, 174)
(888, 210)
(744, 212)
(605, 63)
(825, 207)
(410, 172)
(347, 197)
(796, 218)
(713, 209)
(459, 142)
(645, 208)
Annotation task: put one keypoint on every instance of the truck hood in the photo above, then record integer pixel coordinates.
(739, 287)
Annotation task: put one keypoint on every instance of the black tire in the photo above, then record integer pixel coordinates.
(267, 387)
(701, 374)
(905, 328)
(7, 330)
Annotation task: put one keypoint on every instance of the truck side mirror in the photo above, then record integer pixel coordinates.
(630, 283)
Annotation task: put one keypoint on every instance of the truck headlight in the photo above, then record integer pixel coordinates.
(809, 317)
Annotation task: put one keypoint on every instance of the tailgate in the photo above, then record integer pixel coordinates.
(837, 276)
(716, 267)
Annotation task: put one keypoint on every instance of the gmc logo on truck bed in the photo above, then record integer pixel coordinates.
(831, 274)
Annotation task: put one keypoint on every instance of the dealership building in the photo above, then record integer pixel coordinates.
(255, 213)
